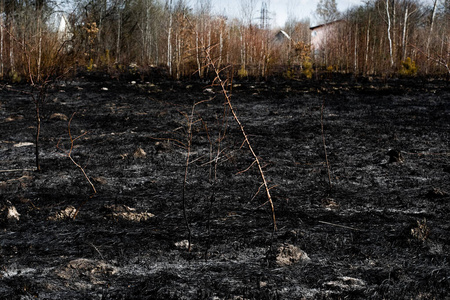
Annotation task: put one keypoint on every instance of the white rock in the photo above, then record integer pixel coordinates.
(289, 254)
(12, 214)
(139, 153)
(59, 116)
(184, 244)
(346, 283)
(23, 144)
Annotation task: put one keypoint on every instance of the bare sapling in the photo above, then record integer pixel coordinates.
(190, 122)
(68, 153)
(38, 101)
(186, 170)
(213, 164)
(442, 60)
(325, 145)
(223, 85)
(43, 64)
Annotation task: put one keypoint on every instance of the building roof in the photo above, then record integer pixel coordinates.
(326, 24)
(282, 35)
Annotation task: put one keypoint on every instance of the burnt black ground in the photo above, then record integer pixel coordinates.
(380, 232)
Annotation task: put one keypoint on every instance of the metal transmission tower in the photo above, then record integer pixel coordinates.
(264, 17)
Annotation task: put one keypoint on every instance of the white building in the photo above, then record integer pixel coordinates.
(321, 33)
(64, 29)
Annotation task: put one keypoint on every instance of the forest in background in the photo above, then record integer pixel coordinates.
(43, 39)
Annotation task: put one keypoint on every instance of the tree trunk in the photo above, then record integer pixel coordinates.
(197, 49)
(355, 62)
(11, 45)
(1, 40)
(38, 75)
(389, 33)
(433, 16)
(220, 46)
(119, 27)
(366, 62)
(405, 23)
(169, 38)
(38, 132)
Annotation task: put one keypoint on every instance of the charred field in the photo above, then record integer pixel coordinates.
(376, 228)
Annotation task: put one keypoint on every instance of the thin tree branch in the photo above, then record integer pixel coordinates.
(241, 127)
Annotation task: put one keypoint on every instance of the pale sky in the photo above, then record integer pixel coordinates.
(279, 9)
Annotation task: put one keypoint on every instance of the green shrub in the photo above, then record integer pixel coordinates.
(105, 59)
(330, 69)
(15, 77)
(91, 66)
(242, 73)
(308, 69)
(289, 74)
(408, 67)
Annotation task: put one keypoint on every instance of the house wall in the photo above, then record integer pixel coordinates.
(319, 34)
(318, 37)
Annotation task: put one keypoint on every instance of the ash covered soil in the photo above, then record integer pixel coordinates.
(380, 231)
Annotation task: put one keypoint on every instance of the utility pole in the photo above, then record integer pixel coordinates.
(264, 16)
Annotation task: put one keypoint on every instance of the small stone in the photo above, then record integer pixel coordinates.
(139, 153)
(289, 254)
(436, 193)
(100, 180)
(23, 144)
(126, 213)
(67, 213)
(346, 283)
(162, 146)
(14, 118)
(12, 214)
(8, 213)
(89, 269)
(59, 116)
(184, 244)
(395, 156)
(330, 204)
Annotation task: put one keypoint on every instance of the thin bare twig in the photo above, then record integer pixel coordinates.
(15, 170)
(222, 84)
(69, 155)
(96, 249)
(186, 169)
(324, 144)
(337, 225)
(440, 60)
(246, 169)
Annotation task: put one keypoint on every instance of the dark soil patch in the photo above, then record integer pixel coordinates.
(380, 232)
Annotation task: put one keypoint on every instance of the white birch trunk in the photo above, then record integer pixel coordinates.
(367, 47)
(11, 46)
(405, 25)
(119, 25)
(1, 42)
(389, 33)
(169, 37)
(355, 62)
(197, 49)
(38, 79)
(220, 46)
(433, 16)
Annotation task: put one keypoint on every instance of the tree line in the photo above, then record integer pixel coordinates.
(379, 37)
(385, 36)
